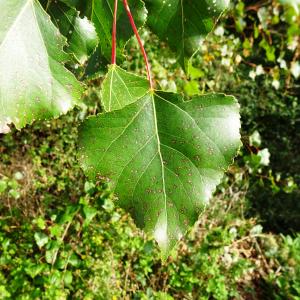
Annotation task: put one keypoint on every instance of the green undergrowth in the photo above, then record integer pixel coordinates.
(63, 237)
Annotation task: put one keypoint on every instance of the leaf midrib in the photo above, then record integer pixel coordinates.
(160, 156)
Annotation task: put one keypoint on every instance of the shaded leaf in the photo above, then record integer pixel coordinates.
(71, 3)
(183, 23)
(102, 16)
(96, 65)
(101, 13)
(162, 156)
(80, 32)
(34, 84)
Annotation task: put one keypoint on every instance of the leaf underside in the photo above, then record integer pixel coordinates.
(121, 88)
(34, 84)
(184, 23)
(162, 156)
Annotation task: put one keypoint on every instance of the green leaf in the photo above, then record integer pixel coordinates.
(89, 214)
(121, 88)
(102, 16)
(162, 156)
(34, 84)
(33, 270)
(3, 186)
(71, 3)
(41, 239)
(80, 32)
(68, 277)
(183, 23)
(101, 13)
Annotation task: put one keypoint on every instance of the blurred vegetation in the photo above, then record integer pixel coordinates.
(61, 237)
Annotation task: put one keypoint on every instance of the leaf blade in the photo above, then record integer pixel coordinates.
(79, 31)
(34, 84)
(121, 88)
(163, 157)
(183, 23)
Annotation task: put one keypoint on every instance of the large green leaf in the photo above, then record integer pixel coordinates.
(79, 31)
(162, 156)
(34, 84)
(183, 23)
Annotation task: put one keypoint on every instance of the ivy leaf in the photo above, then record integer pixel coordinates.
(162, 156)
(80, 32)
(41, 239)
(34, 84)
(183, 23)
(121, 88)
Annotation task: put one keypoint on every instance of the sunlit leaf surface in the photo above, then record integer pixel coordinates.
(162, 156)
(34, 84)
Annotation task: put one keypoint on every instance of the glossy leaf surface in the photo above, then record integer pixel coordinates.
(162, 156)
(79, 31)
(34, 84)
(183, 23)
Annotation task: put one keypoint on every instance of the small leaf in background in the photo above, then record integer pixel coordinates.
(14, 193)
(68, 277)
(295, 69)
(51, 252)
(89, 213)
(56, 230)
(3, 185)
(191, 88)
(33, 270)
(264, 155)
(89, 187)
(18, 176)
(255, 139)
(40, 222)
(41, 239)
(74, 260)
(71, 3)
(34, 84)
(294, 3)
(162, 156)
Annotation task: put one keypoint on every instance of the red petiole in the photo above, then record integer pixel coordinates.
(114, 35)
(135, 30)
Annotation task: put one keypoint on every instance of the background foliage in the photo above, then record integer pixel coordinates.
(62, 238)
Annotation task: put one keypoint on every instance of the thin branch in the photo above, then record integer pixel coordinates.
(131, 20)
(114, 35)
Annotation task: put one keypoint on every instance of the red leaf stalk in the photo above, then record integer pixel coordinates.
(131, 20)
(114, 35)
